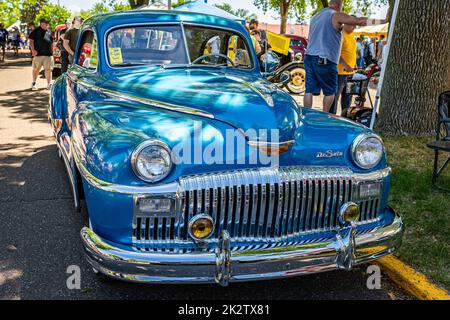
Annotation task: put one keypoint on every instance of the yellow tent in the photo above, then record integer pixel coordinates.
(373, 31)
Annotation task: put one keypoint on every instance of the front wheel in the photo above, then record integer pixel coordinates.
(297, 85)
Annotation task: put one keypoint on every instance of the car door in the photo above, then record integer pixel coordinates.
(83, 77)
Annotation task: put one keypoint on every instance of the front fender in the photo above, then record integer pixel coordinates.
(58, 99)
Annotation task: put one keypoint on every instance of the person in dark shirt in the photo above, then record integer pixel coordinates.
(41, 48)
(64, 53)
(254, 25)
(70, 38)
(3, 38)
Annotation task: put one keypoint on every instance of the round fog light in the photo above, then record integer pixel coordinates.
(201, 227)
(349, 213)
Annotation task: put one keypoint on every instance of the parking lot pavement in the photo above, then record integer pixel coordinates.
(39, 230)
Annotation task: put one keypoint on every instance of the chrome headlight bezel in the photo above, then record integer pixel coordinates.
(140, 148)
(361, 139)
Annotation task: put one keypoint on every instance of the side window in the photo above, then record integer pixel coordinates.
(88, 57)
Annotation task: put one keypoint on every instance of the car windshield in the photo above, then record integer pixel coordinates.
(165, 46)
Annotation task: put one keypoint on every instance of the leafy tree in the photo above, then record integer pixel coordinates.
(9, 12)
(298, 8)
(99, 8)
(241, 13)
(104, 7)
(30, 9)
(55, 14)
(138, 3)
(179, 3)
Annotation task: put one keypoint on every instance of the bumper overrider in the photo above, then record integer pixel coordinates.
(348, 248)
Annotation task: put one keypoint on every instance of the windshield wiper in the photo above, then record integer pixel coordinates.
(129, 64)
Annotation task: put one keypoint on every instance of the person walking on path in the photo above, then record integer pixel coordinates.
(15, 37)
(3, 38)
(346, 67)
(324, 49)
(70, 38)
(41, 49)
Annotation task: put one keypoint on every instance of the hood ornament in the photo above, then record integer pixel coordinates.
(272, 148)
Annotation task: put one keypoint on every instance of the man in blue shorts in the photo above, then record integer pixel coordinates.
(323, 53)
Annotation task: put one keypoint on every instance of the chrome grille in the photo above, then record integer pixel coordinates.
(258, 205)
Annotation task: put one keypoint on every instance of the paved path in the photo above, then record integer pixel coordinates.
(39, 231)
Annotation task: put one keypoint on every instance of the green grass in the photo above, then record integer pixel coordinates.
(426, 244)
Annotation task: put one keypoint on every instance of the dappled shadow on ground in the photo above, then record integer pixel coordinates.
(34, 201)
(16, 62)
(26, 104)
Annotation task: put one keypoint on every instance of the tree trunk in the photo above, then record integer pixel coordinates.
(324, 3)
(284, 13)
(418, 68)
(138, 3)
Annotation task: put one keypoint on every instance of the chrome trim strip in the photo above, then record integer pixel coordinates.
(163, 189)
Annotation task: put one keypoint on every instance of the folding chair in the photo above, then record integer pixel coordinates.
(442, 143)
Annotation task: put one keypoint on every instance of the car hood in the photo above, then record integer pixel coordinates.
(241, 100)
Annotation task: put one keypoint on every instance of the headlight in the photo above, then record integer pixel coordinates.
(151, 161)
(367, 150)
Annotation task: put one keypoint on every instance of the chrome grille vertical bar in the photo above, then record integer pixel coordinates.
(248, 200)
(255, 204)
(241, 210)
(307, 191)
(329, 199)
(215, 209)
(287, 200)
(262, 212)
(221, 211)
(237, 210)
(279, 209)
(291, 211)
(296, 208)
(321, 204)
(334, 200)
(315, 204)
(270, 210)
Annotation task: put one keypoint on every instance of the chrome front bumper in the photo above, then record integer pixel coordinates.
(346, 250)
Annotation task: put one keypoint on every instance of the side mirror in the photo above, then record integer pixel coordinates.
(269, 63)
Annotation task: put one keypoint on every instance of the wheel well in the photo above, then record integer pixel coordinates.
(79, 184)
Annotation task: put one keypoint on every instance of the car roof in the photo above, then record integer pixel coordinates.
(105, 21)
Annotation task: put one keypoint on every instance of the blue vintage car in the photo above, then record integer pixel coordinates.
(305, 192)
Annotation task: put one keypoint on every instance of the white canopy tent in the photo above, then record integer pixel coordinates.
(15, 24)
(200, 6)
